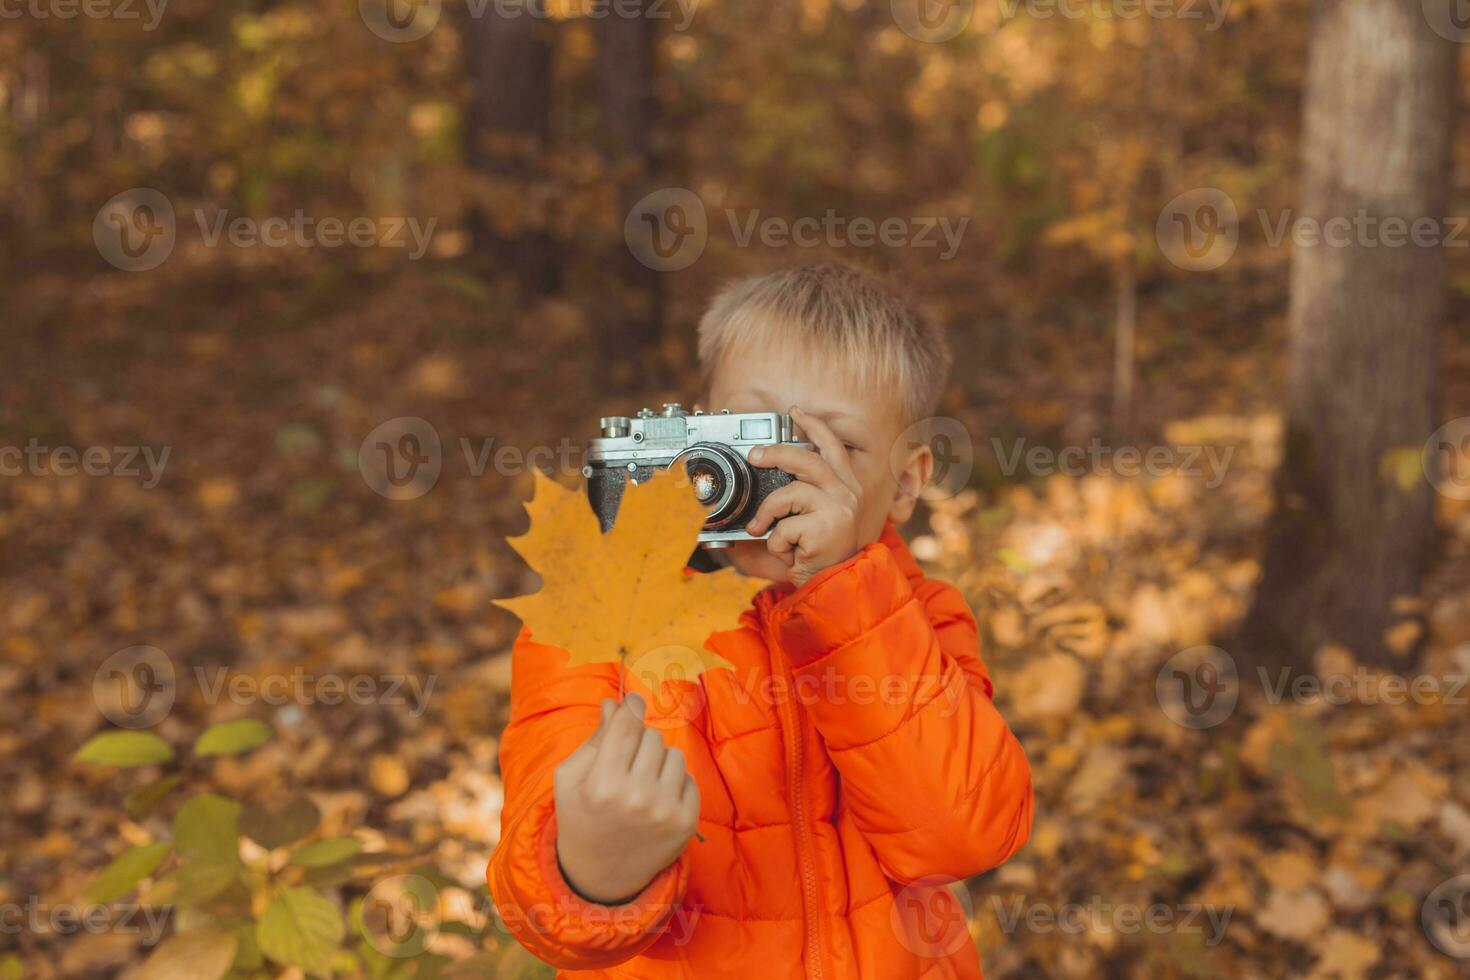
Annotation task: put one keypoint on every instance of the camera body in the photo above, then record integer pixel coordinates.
(713, 447)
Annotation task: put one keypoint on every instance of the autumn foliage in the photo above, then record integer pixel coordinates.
(282, 826)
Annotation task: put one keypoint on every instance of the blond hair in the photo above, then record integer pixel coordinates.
(842, 312)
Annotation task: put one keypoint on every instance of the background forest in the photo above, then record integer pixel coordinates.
(252, 680)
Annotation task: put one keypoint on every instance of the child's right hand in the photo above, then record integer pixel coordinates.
(625, 806)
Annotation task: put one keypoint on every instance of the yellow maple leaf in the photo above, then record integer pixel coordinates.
(623, 595)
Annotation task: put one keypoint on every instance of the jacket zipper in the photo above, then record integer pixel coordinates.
(790, 714)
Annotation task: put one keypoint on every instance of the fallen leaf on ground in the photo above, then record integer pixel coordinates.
(1346, 956)
(1294, 915)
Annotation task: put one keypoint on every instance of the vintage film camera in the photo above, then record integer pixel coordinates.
(713, 449)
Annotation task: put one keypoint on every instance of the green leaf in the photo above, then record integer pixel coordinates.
(324, 853)
(376, 964)
(206, 829)
(476, 967)
(232, 737)
(354, 868)
(193, 883)
(310, 495)
(465, 285)
(297, 439)
(1306, 759)
(125, 749)
(1013, 560)
(142, 801)
(202, 954)
(273, 828)
(345, 962)
(126, 870)
(1194, 956)
(248, 957)
(301, 928)
(1402, 465)
(187, 918)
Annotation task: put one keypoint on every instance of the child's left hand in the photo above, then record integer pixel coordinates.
(823, 502)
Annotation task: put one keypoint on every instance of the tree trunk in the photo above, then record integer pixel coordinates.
(1364, 317)
(1125, 333)
(29, 81)
(626, 72)
(507, 130)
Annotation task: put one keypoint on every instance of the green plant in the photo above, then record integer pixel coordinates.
(239, 919)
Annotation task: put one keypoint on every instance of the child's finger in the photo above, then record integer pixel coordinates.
(786, 537)
(793, 498)
(671, 776)
(605, 709)
(620, 741)
(689, 799)
(828, 444)
(803, 464)
(649, 759)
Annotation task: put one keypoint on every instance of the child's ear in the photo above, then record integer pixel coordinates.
(914, 471)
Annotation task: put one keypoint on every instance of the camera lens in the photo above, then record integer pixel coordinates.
(706, 484)
(720, 479)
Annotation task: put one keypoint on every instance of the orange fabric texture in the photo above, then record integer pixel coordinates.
(849, 767)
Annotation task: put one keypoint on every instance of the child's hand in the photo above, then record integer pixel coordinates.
(625, 806)
(824, 502)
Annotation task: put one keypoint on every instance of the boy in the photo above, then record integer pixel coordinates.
(846, 770)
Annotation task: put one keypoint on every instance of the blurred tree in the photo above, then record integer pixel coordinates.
(507, 129)
(28, 82)
(626, 72)
(1353, 521)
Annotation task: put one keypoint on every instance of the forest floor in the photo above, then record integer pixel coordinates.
(1296, 838)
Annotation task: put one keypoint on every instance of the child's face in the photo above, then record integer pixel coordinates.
(868, 422)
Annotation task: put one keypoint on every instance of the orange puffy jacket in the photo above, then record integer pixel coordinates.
(849, 768)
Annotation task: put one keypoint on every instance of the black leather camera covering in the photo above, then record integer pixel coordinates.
(606, 485)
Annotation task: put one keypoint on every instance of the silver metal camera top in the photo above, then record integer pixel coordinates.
(655, 438)
(670, 410)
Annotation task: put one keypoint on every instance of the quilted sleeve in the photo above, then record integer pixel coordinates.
(932, 775)
(554, 709)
